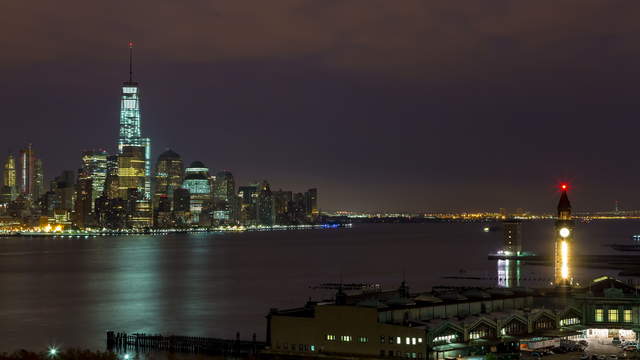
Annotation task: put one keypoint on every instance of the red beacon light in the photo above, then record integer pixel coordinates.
(563, 186)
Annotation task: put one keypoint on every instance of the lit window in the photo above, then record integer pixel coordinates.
(363, 339)
(313, 348)
(413, 341)
(331, 337)
(599, 315)
(398, 340)
(613, 315)
(407, 341)
(346, 338)
(627, 316)
(420, 340)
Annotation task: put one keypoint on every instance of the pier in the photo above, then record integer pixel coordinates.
(123, 342)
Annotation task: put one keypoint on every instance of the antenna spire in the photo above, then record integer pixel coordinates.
(130, 60)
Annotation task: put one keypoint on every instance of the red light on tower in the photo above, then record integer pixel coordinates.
(130, 44)
(563, 187)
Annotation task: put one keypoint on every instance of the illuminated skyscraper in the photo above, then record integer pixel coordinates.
(196, 180)
(224, 197)
(265, 207)
(564, 241)
(9, 177)
(94, 165)
(168, 176)
(130, 127)
(27, 171)
(131, 173)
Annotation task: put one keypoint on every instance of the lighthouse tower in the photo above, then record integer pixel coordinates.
(563, 241)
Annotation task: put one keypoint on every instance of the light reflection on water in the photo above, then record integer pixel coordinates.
(71, 291)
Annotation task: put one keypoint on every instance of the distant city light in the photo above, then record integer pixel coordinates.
(53, 351)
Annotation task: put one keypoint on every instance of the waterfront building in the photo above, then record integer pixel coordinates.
(224, 198)
(264, 205)
(196, 180)
(311, 203)
(248, 196)
(563, 274)
(94, 165)
(9, 180)
(83, 201)
(111, 183)
(169, 175)
(512, 236)
(130, 133)
(282, 201)
(131, 171)
(181, 206)
(27, 171)
(38, 180)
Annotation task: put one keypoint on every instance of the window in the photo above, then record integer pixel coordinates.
(613, 315)
(413, 341)
(346, 338)
(313, 348)
(398, 340)
(391, 341)
(331, 337)
(599, 315)
(382, 339)
(445, 338)
(407, 341)
(363, 339)
(419, 340)
(627, 316)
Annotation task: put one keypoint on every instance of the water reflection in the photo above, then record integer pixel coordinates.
(508, 273)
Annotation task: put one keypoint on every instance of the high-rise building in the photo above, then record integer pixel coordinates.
(311, 200)
(265, 209)
(82, 211)
(169, 175)
(224, 197)
(248, 196)
(9, 176)
(27, 164)
(196, 180)
(130, 124)
(131, 172)
(38, 180)
(94, 165)
(111, 183)
(563, 241)
(282, 201)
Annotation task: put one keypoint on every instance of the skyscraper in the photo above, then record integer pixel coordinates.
(224, 197)
(169, 175)
(131, 171)
(265, 208)
(27, 163)
(130, 127)
(196, 180)
(563, 241)
(38, 180)
(94, 165)
(9, 178)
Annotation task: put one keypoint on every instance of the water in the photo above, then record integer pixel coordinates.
(71, 291)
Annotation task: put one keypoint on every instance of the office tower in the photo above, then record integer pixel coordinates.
(27, 171)
(111, 182)
(512, 241)
(94, 164)
(281, 202)
(299, 208)
(311, 202)
(563, 241)
(82, 207)
(65, 190)
(130, 124)
(265, 210)
(169, 175)
(38, 180)
(196, 180)
(181, 204)
(131, 172)
(224, 197)
(9, 178)
(248, 196)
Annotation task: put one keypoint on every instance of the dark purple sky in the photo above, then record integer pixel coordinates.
(380, 104)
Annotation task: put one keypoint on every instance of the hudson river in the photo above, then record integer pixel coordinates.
(69, 292)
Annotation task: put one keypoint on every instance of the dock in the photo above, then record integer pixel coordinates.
(123, 342)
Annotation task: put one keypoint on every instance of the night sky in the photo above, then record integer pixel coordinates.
(381, 104)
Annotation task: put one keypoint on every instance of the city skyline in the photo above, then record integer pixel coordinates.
(479, 115)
